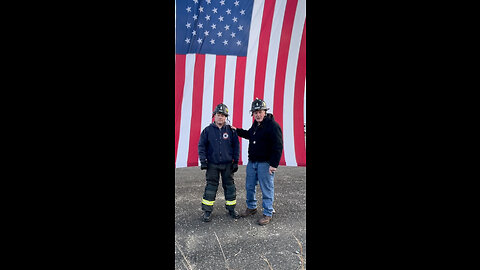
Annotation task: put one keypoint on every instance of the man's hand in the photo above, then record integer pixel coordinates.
(203, 165)
(271, 169)
(234, 128)
(235, 167)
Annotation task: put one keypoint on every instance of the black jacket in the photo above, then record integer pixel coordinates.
(266, 141)
(218, 146)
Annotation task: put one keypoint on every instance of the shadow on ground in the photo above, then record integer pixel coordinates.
(226, 243)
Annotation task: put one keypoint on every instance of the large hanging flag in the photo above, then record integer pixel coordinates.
(231, 52)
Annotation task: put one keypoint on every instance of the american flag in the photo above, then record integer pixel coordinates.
(231, 52)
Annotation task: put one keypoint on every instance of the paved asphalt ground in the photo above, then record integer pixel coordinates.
(226, 243)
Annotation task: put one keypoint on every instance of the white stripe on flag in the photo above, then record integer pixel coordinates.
(276, 32)
(184, 136)
(229, 84)
(208, 82)
(290, 75)
(252, 51)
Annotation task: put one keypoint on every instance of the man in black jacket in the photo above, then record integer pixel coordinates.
(218, 151)
(264, 153)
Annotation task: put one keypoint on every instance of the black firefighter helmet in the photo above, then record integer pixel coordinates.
(258, 104)
(221, 108)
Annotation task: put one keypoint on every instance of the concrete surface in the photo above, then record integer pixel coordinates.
(226, 243)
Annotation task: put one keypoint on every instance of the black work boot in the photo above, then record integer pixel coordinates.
(234, 214)
(207, 216)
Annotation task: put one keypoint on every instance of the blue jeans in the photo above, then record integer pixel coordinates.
(257, 173)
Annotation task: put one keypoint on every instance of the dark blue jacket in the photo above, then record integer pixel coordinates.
(218, 146)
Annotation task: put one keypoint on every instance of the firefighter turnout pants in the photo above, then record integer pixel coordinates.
(213, 178)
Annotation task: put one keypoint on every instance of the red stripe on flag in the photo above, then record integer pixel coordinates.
(284, 47)
(298, 120)
(219, 80)
(238, 98)
(197, 98)
(179, 84)
(263, 44)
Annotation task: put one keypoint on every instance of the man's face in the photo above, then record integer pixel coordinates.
(259, 115)
(220, 118)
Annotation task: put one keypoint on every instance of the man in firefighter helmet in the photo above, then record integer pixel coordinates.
(264, 152)
(218, 150)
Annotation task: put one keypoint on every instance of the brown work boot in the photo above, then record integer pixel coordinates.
(249, 212)
(264, 220)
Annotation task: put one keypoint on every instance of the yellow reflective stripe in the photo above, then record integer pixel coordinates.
(207, 202)
(231, 202)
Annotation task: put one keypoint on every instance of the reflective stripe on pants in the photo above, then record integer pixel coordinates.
(231, 202)
(207, 202)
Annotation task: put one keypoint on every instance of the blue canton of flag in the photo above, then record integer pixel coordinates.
(218, 27)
